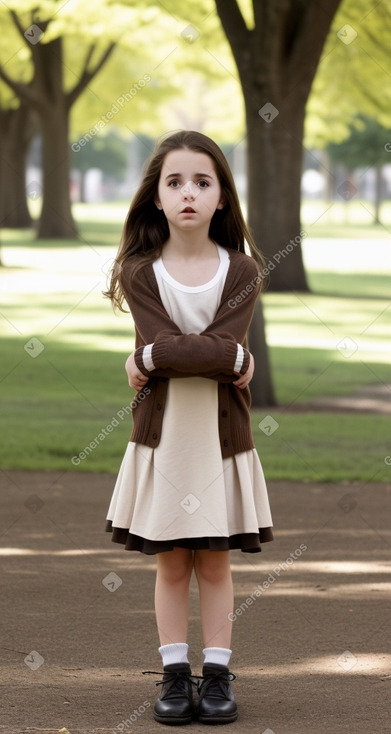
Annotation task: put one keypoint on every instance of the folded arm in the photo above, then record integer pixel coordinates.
(138, 380)
(217, 352)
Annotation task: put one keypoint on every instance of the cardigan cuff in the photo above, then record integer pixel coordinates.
(138, 358)
(246, 362)
(239, 359)
(147, 358)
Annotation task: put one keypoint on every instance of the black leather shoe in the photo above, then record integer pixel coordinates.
(217, 703)
(175, 703)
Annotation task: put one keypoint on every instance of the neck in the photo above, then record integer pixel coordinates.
(188, 245)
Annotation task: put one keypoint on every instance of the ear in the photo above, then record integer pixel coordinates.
(221, 203)
(157, 203)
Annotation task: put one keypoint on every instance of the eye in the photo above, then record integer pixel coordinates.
(174, 184)
(203, 184)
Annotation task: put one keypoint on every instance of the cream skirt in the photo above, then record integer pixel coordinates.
(183, 493)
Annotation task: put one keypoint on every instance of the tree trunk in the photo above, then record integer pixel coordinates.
(277, 59)
(328, 168)
(56, 219)
(16, 133)
(274, 186)
(274, 217)
(83, 180)
(261, 385)
(47, 95)
(378, 193)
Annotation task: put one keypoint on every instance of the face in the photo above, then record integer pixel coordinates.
(189, 191)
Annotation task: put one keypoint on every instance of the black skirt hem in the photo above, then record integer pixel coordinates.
(246, 542)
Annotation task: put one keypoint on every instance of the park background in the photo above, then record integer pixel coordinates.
(140, 69)
(298, 94)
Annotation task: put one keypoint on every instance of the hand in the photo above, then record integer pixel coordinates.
(136, 378)
(245, 379)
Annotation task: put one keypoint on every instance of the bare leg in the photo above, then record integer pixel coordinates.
(174, 570)
(214, 578)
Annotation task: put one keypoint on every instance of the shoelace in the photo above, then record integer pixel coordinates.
(171, 678)
(215, 684)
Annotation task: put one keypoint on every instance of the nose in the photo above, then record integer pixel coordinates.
(189, 190)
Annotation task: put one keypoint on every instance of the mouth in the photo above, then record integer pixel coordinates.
(188, 210)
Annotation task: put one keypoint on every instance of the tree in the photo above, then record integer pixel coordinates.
(277, 59)
(46, 94)
(352, 90)
(108, 153)
(353, 78)
(64, 49)
(17, 128)
(367, 146)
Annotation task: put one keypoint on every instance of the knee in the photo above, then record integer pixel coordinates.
(212, 567)
(175, 568)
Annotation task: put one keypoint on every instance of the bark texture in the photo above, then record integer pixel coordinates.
(277, 61)
(16, 132)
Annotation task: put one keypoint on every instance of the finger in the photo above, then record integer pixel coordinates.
(243, 382)
(239, 383)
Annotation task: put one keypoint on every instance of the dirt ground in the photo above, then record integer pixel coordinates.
(311, 645)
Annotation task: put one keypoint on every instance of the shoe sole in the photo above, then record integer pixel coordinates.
(173, 721)
(218, 719)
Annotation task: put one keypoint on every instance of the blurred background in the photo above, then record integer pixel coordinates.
(298, 95)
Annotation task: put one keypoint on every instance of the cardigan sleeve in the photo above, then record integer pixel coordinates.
(213, 352)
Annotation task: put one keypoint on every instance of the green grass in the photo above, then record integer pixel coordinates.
(324, 447)
(339, 219)
(356, 285)
(55, 404)
(93, 234)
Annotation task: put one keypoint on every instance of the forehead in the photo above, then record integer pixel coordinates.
(187, 162)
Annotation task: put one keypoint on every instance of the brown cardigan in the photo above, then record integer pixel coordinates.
(211, 354)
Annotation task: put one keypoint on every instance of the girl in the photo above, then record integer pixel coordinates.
(191, 486)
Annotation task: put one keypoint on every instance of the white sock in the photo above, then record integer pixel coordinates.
(175, 653)
(217, 655)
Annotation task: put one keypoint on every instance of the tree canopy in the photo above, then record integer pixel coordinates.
(53, 62)
(354, 74)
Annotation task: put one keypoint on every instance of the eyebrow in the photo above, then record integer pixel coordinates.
(178, 175)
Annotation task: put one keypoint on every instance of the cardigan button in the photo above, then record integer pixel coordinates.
(154, 436)
(225, 442)
(224, 413)
(159, 406)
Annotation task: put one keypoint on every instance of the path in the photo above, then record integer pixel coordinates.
(312, 653)
(370, 399)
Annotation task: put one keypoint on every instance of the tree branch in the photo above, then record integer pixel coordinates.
(22, 30)
(87, 60)
(234, 26)
(311, 36)
(27, 93)
(18, 27)
(86, 75)
(23, 91)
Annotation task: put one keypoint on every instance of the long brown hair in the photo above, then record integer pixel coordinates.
(146, 229)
